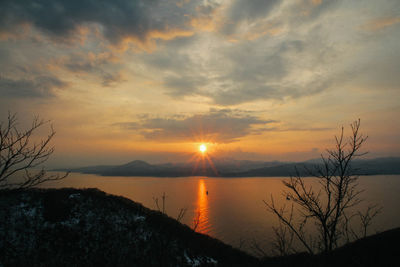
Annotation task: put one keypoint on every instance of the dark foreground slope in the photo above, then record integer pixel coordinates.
(71, 227)
(381, 249)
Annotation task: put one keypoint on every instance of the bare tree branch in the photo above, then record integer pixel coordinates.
(20, 155)
(328, 205)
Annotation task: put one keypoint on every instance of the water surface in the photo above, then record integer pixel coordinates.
(231, 209)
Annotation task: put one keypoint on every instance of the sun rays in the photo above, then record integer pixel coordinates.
(202, 161)
(203, 148)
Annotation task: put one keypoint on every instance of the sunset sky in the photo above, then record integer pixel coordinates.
(254, 79)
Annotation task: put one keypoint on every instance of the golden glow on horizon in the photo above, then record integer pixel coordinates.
(131, 108)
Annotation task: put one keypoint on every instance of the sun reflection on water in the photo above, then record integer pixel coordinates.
(201, 221)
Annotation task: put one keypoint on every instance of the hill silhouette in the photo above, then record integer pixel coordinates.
(234, 168)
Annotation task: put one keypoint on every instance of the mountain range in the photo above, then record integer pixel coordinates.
(235, 168)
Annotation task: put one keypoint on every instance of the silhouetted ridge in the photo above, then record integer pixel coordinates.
(236, 168)
(136, 163)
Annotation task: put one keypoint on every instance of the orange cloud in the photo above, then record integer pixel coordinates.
(316, 2)
(378, 24)
(203, 24)
(268, 29)
(19, 32)
(170, 34)
(182, 2)
(306, 7)
(149, 43)
(207, 21)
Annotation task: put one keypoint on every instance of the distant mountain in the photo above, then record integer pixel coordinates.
(235, 168)
(133, 168)
(286, 169)
(389, 165)
(90, 170)
(360, 167)
(212, 167)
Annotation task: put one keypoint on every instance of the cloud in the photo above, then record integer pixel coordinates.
(381, 23)
(299, 129)
(170, 59)
(104, 65)
(246, 11)
(251, 19)
(118, 21)
(110, 80)
(311, 50)
(219, 126)
(181, 72)
(318, 50)
(309, 11)
(248, 71)
(249, 92)
(41, 86)
(184, 85)
(300, 61)
(90, 62)
(23, 73)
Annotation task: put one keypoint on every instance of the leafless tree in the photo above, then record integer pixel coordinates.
(19, 154)
(181, 214)
(163, 197)
(283, 240)
(328, 206)
(196, 220)
(257, 250)
(366, 219)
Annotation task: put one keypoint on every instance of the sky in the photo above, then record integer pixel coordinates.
(253, 79)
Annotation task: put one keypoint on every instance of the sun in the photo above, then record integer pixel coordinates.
(202, 148)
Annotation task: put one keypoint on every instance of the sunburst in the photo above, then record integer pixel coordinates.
(203, 148)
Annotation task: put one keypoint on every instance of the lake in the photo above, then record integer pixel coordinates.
(231, 209)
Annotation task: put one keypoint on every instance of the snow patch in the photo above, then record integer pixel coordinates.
(72, 196)
(199, 260)
(71, 222)
(139, 218)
